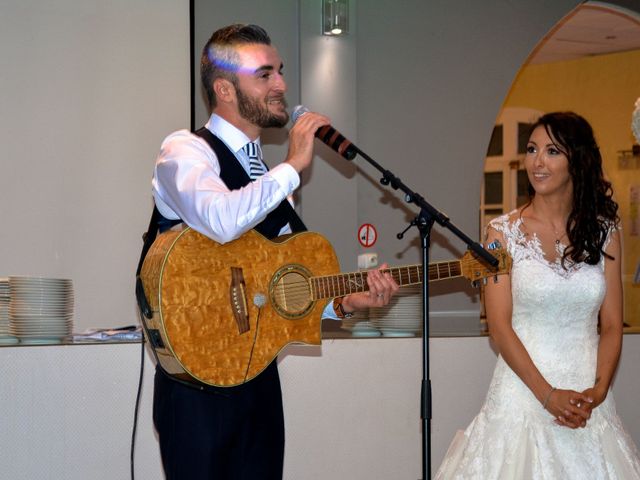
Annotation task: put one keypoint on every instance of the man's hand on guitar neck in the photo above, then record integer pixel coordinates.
(382, 287)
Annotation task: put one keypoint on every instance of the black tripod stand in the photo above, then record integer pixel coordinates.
(424, 222)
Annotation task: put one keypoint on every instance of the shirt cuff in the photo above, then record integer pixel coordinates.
(286, 176)
(329, 313)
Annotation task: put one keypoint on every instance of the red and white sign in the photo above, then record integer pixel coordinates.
(367, 235)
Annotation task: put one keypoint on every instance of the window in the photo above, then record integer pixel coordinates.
(505, 186)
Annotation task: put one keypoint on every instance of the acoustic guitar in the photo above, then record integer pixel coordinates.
(223, 312)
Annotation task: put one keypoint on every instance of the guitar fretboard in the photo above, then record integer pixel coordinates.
(345, 283)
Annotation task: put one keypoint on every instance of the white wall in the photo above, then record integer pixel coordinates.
(88, 89)
(328, 79)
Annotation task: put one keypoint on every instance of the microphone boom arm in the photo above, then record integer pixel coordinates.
(428, 210)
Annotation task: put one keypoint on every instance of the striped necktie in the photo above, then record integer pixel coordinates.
(256, 166)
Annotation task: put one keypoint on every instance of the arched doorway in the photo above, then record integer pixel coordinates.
(589, 63)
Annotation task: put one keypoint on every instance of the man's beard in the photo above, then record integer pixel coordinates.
(256, 112)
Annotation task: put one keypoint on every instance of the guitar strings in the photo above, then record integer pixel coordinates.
(304, 284)
(300, 290)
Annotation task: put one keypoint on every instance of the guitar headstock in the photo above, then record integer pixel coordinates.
(476, 269)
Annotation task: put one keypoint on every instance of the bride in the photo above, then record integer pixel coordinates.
(557, 323)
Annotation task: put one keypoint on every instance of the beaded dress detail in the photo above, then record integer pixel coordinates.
(555, 315)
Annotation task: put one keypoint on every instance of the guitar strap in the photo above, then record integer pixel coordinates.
(158, 223)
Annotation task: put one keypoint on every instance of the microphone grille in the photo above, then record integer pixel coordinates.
(298, 112)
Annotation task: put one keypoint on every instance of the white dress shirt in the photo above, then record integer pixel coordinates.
(186, 185)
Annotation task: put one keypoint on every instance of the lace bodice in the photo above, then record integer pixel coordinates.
(555, 309)
(521, 245)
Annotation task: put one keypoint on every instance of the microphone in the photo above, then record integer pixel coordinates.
(329, 135)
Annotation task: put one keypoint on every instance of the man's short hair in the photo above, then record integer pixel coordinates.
(219, 57)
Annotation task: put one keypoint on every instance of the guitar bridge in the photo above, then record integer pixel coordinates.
(238, 298)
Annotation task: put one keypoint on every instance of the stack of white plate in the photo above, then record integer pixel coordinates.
(5, 336)
(41, 309)
(360, 326)
(402, 317)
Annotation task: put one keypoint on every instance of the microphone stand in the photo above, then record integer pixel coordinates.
(424, 222)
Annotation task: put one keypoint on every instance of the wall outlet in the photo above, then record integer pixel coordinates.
(367, 261)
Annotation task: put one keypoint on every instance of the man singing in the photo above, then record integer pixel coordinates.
(215, 182)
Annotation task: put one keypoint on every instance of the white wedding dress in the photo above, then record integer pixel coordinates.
(555, 315)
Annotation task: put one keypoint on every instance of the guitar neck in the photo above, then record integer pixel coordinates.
(342, 284)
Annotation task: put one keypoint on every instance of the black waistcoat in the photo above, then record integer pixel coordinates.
(235, 177)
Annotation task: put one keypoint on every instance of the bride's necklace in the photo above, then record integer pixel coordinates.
(557, 236)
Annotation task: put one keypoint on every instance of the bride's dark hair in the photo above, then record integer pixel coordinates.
(594, 211)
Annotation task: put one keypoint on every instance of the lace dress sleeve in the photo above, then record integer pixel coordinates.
(611, 229)
(498, 225)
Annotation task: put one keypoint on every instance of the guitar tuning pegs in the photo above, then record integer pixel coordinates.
(495, 279)
(494, 245)
(474, 284)
(484, 282)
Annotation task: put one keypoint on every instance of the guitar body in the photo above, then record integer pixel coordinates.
(206, 325)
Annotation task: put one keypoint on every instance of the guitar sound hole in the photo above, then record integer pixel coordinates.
(291, 294)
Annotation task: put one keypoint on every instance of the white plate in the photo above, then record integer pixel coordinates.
(41, 340)
(41, 326)
(52, 333)
(43, 320)
(42, 333)
(18, 300)
(27, 322)
(41, 291)
(366, 332)
(33, 293)
(17, 304)
(40, 296)
(398, 334)
(40, 306)
(39, 282)
(58, 327)
(39, 315)
(22, 307)
(38, 279)
(8, 340)
(39, 312)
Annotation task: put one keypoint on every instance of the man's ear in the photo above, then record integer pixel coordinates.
(224, 90)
